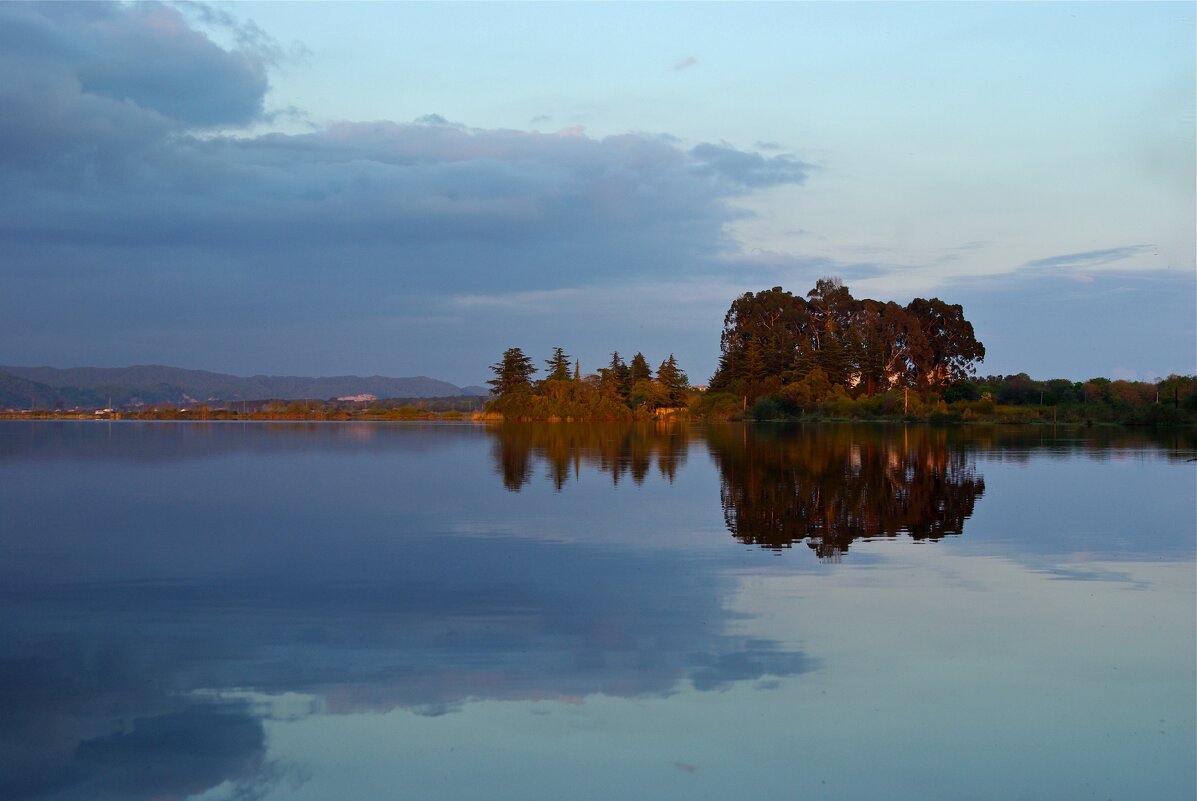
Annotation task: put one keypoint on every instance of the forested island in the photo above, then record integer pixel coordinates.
(822, 356)
(830, 356)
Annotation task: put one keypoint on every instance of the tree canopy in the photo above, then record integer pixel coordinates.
(772, 339)
(619, 391)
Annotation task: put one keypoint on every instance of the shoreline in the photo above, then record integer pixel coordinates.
(224, 416)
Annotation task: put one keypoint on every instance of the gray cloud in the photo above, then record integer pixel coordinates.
(250, 38)
(749, 169)
(685, 63)
(1089, 258)
(81, 81)
(129, 222)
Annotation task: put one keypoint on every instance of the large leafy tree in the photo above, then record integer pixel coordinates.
(763, 334)
(832, 310)
(950, 348)
(892, 340)
(513, 374)
(772, 339)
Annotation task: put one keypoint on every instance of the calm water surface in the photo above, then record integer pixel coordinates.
(389, 611)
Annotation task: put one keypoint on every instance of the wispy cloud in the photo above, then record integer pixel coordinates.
(1088, 258)
(536, 299)
(749, 169)
(685, 63)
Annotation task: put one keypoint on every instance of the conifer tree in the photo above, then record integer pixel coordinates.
(833, 358)
(613, 379)
(675, 382)
(639, 370)
(513, 374)
(559, 367)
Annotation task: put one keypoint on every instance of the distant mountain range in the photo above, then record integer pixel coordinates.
(48, 387)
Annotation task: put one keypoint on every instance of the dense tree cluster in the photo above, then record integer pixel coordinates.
(830, 355)
(774, 343)
(616, 392)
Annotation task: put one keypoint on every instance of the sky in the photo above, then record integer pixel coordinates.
(410, 189)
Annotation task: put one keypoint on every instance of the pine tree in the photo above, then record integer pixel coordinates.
(833, 357)
(640, 371)
(613, 379)
(559, 367)
(675, 382)
(513, 374)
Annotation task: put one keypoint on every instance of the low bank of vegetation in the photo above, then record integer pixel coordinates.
(994, 399)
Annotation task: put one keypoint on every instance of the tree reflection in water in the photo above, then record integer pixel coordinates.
(827, 485)
(618, 449)
(830, 485)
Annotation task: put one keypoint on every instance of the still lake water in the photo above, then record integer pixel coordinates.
(390, 611)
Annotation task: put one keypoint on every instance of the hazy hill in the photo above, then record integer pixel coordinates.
(21, 393)
(94, 386)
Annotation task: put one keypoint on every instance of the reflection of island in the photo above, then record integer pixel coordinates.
(618, 449)
(833, 485)
(828, 485)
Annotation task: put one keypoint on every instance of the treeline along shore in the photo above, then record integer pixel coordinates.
(993, 399)
(822, 356)
(830, 356)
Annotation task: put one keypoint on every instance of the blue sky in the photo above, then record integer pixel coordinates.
(412, 188)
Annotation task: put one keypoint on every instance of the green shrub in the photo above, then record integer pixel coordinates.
(766, 408)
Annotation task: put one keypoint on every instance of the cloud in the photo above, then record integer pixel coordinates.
(1058, 312)
(249, 38)
(438, 120)
(749, 169)
(536, 299)
(84, 80)
(135, 222)
(685, 63)
(1089, 258)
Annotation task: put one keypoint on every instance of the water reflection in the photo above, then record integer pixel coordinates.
(164, 589)
(827, 485)
(621, 451)
(833, 485)
(147, 585)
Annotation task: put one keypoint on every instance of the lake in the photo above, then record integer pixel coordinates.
(387, 611)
